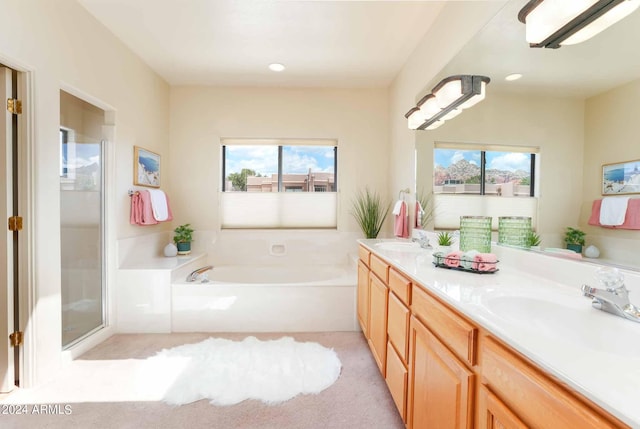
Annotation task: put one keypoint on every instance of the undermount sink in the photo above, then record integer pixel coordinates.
(399, 246)
(571, 321)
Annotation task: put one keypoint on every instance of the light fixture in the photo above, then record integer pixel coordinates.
(447, 100)
(554, 23)
(513, 76)
(276, 67)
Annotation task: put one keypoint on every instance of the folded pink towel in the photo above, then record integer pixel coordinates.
(485, 262)
(453, 259)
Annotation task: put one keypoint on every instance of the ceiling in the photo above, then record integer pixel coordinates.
(231, 42)
(606, 61)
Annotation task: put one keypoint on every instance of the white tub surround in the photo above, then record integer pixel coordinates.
(534, 305)
(261, 281)
(144, 277)
(267, 299)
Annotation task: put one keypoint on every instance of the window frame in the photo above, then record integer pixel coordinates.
(277, 208)
(483, 149)
(280, 160)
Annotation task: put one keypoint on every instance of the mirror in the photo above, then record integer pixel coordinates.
(575, 104)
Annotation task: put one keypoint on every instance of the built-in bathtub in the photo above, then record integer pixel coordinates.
(279, 298)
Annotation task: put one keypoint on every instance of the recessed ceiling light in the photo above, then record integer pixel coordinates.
(514, 76)
(276, 67)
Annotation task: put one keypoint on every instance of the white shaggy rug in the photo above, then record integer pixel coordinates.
(228, 372)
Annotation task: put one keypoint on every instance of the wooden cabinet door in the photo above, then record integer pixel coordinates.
(396, 379)
(363, 297)
(378, 296)
(494, 414)
(398, 326)
(440, 385)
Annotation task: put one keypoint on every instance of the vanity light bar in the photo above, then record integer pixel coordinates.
(446, 101)
(553, 23)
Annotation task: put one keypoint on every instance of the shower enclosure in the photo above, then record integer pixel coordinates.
(81, 218)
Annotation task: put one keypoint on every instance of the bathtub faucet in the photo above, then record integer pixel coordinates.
(192, 277)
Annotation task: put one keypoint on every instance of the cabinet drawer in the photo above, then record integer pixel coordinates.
(364, 255)
(398, 326)
(516, 383)
(397, 377)
(400, 285)
(458, 334)
(380, 268)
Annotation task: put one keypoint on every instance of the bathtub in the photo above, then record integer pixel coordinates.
(239, 298)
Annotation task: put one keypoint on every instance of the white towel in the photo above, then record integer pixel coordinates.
(397, 207)
(159, 205)
(613, 210)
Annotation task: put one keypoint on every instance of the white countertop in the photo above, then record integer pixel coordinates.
(534, 304)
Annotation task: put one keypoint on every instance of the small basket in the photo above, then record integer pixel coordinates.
(440, 262)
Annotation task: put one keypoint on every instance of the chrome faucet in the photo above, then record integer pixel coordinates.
(614, 298)
(422, 239)
(193, 276)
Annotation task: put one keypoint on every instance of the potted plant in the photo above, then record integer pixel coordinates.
(533, 240)
(574, 239)
(370, 212)
(445, 240)
(183, 237)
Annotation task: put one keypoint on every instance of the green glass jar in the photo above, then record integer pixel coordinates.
(514, 231)
(475, 233)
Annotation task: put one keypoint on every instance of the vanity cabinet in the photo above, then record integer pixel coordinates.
(510, 383)
(443, 371)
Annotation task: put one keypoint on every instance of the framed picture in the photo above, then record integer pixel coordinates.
(146, 167)
(621, 178)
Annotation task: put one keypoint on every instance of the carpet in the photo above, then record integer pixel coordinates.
(228, 372)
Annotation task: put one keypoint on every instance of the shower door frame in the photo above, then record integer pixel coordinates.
(108, 230)
(109, 236)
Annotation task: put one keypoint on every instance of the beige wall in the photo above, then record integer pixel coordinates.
(201, 116)
(611, 135)
(555, 125)
(456, 24)
(64, 47)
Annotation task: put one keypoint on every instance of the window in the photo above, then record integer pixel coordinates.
(484, 172)
(280, 183)
(271, 168)
(483, 180)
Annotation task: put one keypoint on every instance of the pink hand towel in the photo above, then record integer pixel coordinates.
(631, 221)
(147, 211)
(453, 259)
(401, 227)
(136, 212)
(142, 210)
(485, 262)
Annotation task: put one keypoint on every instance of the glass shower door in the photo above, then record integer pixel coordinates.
(81, 230)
